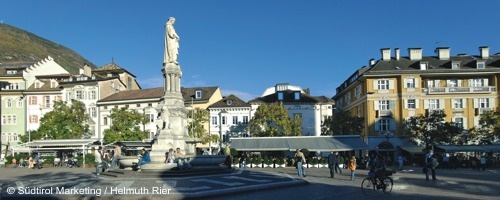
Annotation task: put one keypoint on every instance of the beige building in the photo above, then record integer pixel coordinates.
(394, 88)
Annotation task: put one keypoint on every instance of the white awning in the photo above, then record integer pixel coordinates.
(312, 143)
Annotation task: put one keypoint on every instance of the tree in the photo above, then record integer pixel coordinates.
(342, 123)
(63, 122)
(272, 120)
(489, 127)
(432, 129)
(196, 128)
(125, 126)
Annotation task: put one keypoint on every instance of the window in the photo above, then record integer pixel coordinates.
(433, 104)
(452, 83)
(93, 95)
(105, 121)
(151, 117)
(383, 105)
(411, 104)
(214, 120)
(198, 94)
(79, 94)
(477, 82)
(9, 103)
(46, 100)
(483, 103)
(383, 84)
(235, 119)
(229, 102)
(457, 103)
(14, 120)
(480, 65)
(297, 96)
(93, 112)
(280, 96)
(223, 120)
(33, 119)
(245, 119)
(4, 120)
(384, 124)
(20, 103)
(459, 122)
(455, 65)
(410, 83)
(357, 91)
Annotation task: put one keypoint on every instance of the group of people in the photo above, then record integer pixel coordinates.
(103, 159)
(29, 162)
(177, 157)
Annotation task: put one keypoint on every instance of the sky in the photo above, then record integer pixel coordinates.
(246, 46)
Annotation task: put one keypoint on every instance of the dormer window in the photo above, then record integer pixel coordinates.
(481, 65)
(455, 65)
(198, 94)
(423, 65)
(297, 96)
(229, 102)
(280, 96)
(37, 85)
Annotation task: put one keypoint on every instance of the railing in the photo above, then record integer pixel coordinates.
(453, 90)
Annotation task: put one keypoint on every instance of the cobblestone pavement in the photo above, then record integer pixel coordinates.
(255, 183)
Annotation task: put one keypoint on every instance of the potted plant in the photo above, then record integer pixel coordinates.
(280, 162)
(315, 162)
(257, 162)
(267, 161)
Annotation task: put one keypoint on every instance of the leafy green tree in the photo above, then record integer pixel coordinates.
(196, 128)
(342, 123)
(271, 120)
(63, 122)
(125, 126)
(489, 129)
(432, 129)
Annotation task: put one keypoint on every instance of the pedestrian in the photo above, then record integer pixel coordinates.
(483, 162)
(352, 166)
(98, 160)
(117, 155)
(37, 161)
(14, 162)
(243, 160)
(332, 162)
(301, 160)
(229, 157)
(31, 162)
(401, 161)
(339, 160)
(431, 164)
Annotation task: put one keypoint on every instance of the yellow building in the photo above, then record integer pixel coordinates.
(395, 88)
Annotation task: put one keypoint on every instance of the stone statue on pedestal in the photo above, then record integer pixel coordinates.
(171, 42)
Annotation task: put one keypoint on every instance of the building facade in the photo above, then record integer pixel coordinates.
(394, 88)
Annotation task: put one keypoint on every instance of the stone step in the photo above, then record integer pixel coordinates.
(174, 172)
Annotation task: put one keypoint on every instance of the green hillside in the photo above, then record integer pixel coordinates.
(20, 45)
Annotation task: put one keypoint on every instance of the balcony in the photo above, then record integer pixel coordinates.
(383, 113)
(459, 90)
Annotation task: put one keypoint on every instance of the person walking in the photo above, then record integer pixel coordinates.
(401, 161)
(332, 161)
(98, 160)
(431, 164)
(352, 166)
(229, 157)
(301, 160)
(482, 161)
(337, 158)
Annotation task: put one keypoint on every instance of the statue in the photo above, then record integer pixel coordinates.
(171, 42)
(162, 121)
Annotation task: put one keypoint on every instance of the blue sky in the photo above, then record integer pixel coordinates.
(246, 46)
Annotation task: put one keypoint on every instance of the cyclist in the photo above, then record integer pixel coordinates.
(377, 166)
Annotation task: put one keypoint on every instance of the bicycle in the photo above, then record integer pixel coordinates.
(370, 183)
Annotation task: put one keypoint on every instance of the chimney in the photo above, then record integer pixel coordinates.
(415, 53)
(372, 62)
(396, 53)
(443, 53)
(386, 53)
(485, 52)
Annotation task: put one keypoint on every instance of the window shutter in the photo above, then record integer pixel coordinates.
(476, 103)
(416, 82)
(485, 82)
(464, 103)
(426, 103)
(465, 123)
(452, 103)
(375, 84)
(452, 119)
(459, 83)
(392, 125)
(375, 105)
(406, 103)
(471, 81)
(405, 83)
(441, 103)
(491, 102)
(391, 84)
(377, 125)
(417, 103)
